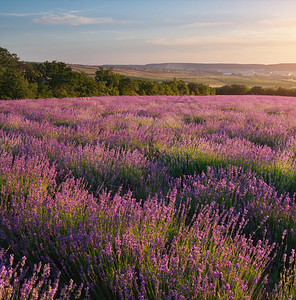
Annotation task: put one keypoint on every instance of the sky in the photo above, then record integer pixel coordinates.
(99, 32)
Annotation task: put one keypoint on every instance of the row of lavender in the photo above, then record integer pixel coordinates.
(148, 198)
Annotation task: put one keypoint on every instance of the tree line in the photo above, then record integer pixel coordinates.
(111, 83)
(20, 80)
(240, 89)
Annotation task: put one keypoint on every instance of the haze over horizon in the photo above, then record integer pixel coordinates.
(142, 32)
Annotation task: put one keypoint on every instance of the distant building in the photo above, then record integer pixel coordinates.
(282, 73)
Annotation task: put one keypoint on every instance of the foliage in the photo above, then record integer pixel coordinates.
(233, 89)
(8, 60)
(19, 80)
(200, 89)
(13, 85)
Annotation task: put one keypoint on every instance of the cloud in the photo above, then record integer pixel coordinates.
(220, 41)
(20, 14)
(88, 32)
(189, 41)
(69, 18)
(279, 22)
(103, 31)
(205, 24)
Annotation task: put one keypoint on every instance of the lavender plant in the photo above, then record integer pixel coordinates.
(17, 281)
(149, 197)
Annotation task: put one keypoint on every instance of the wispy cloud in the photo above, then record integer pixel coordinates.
(88, 32)
(72, 18)
(69, 18)
(279, 23)
(221, 41)
(21, 14)
(104, 31)
(188, 41)
(205, 24)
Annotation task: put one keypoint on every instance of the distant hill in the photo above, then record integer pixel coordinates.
(273, 75)
(217, 67)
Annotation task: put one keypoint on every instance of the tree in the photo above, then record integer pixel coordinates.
(178, 87)
(86, 86)
(282, 91)
(128, 86)
(13, 85)
(8, 60)
(200, 89)
(108, 81)
(58, 78)
(183, 88)
(233, 89)
(149, 88)
(257, 90)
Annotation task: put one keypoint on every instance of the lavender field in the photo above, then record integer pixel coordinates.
(154, 197)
